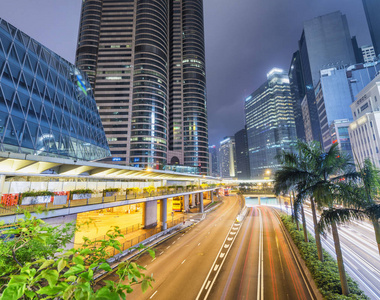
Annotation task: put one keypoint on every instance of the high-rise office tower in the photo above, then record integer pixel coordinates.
(213, 161)
(372, 9)
(227, 157)
(243, 171)
(320, 50)
(146, 62)
(369, 54)
(297, 90)
(271, 128)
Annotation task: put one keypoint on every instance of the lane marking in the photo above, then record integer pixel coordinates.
(222, 255)
(153, 259)
(199, 244)
(216, 267)
(167, 247)
(173, 242)
(161, 252)
(153, 295)
(208, 284)
(183, 261)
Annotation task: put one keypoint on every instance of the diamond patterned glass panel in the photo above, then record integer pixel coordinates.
(46, 104)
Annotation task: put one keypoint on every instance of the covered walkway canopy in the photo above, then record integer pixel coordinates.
(15, 164)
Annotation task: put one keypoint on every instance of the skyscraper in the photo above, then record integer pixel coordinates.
(325, 42)
(243, 171)
(227, 158)
(372, 9)
(269, 117)
(145, 60)
(213, 161)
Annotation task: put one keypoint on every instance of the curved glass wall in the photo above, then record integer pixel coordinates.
(150, 86)
(46, 104)
(88, 38)
(194, 86)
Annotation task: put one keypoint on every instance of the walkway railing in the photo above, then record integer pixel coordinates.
(12, 210)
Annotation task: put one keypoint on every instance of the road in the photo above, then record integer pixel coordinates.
(360, 253)
(220, 259)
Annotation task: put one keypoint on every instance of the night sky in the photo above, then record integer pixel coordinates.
(244, 40)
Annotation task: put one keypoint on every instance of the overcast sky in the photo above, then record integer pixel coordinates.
(244, 40)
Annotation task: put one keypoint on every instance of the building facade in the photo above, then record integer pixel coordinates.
(336, 91)
(227, 158)
(46, 104)
(146, 62)
(243, 171)
(319, 51)
(371, 9)
(364, 131)
(339, 134)
(213, 161)
(269, 118)
(297, 90)
(369, 54)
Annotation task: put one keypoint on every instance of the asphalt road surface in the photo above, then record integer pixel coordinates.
(360, 253)
(221, 259)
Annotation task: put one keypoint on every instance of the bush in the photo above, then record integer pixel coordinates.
(37, 193)
(111, 190)
(82, 191)
(325, 274)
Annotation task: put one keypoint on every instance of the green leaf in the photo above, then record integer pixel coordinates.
(61, 265)
(18, 279)
(74, 270)
(46, 264)
(13, 291)
(78, 260)
(51, 276)
(106, 267)
(144, 285)
(87, 275)
(151, 253)
(85, 251)
(50, 291)
(105, 294)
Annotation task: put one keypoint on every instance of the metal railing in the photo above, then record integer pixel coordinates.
(12, 210)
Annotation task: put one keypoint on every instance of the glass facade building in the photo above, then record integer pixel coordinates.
(243, 171)
(46, 104)
(271, 129)
(372, 9)
(146, 62)
(227, 158)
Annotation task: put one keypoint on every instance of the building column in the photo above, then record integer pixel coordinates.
(258, 198)
(212, 196)
(186, 202)
(164, 213)
(150, 214)
(2, 181)
(201, 202)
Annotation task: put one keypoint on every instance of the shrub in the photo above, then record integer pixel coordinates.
(326, 273)
(111, 190)
(82, 191)
(37, 193)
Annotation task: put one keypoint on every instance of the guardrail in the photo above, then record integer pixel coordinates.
(12, 210)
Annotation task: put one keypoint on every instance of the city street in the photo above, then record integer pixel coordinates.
(360, 253)
(257, 264)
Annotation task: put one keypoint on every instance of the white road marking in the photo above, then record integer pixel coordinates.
(167, 247)
(199, 244)
(173, 242)
(145, 266)
(208, 284)
(161, 252)
(182, 234)
(153, 295)
(222, 255)
(183, 261)
(229, 239)
(178, 238)
(216, 267)
(153, 259)
(226, 245)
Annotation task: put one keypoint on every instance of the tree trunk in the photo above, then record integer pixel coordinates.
(376, 226)
(339, 258)
(291, 206)
(317, 235)
(304, 225)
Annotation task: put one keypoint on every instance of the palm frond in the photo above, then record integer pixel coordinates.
(339, 216)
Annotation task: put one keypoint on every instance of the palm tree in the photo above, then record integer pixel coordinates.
(290, 178)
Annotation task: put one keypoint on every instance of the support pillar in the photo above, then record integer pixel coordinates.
(201, 202)
(212, 196)
(164, 213)
(150, 214)
(186, 202)
(2, 181)
(258, 198)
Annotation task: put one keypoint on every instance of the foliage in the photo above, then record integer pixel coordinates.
(111, 190)
(204, 186)
(37, 193)
(149, 189)
(82, 191)
(33, 266)
(191, 186)
(325, 274)
(133, 190)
